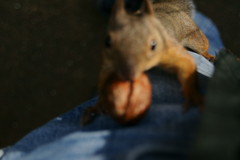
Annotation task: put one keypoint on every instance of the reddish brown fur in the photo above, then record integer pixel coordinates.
(168, 23)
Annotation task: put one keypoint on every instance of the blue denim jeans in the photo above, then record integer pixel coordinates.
(164, 133)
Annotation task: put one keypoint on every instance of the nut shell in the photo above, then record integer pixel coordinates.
(127, 101)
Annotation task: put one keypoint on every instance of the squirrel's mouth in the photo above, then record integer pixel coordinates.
(127, 74)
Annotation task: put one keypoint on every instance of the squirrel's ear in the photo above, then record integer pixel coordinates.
(118, 8)
(148, 7)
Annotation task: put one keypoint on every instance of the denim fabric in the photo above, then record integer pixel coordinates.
(164, 133)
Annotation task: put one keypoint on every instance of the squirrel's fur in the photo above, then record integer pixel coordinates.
(157, 35)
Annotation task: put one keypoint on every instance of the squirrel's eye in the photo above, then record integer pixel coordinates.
(153, 45)
(108, 42)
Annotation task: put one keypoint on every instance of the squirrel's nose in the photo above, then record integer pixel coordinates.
(126, 73)
(127, 68)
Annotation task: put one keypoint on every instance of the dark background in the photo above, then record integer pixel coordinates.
(50, 57)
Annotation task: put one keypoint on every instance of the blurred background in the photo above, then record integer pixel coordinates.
(50, 57)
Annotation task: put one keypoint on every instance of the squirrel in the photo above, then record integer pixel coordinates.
(158, 35)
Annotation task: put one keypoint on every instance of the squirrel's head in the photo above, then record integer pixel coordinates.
(133, 41)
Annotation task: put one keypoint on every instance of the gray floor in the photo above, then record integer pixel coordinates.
(49, 57)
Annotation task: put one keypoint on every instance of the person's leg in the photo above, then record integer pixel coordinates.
(163, 114)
